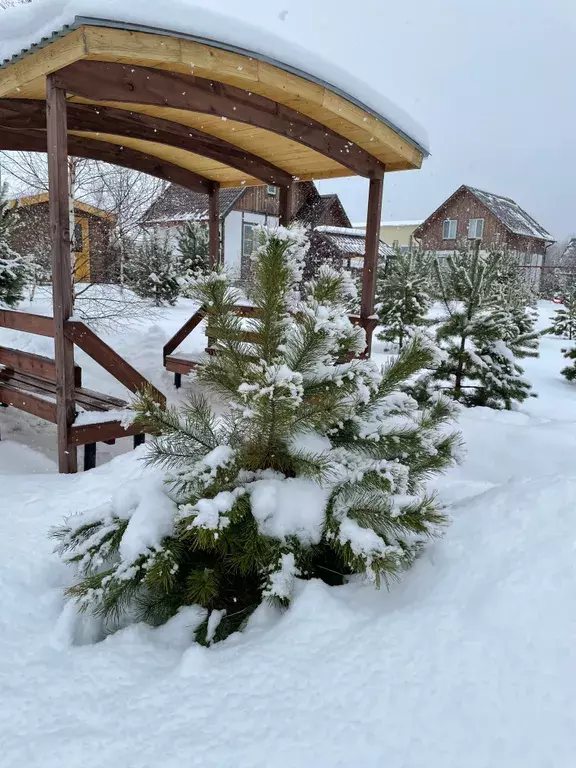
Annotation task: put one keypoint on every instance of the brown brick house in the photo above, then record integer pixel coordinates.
(96, 260)
(471, 215)
(242, 209)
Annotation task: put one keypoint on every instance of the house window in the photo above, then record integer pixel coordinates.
(248, 238)
(77, 238)
(475, 229)
(272, 190)
(449, 229)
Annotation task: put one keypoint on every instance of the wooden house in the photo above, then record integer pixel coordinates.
(342, 247)
(242, 209)
(95, 258)
(472, 215)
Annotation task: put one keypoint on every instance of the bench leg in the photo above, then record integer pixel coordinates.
(177, 380)
(89, 456)
(139, 440)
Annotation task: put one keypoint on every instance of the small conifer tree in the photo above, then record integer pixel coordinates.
(402, 296)
(564, 323)
(13, 267)
(482, 338)
(152, 271)
(193, 249)
(317, 468)
(569, 372)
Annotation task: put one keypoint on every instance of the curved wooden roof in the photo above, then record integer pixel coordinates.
(194, 113)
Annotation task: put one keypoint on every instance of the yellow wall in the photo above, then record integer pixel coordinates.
(82, 258)
(401, 233)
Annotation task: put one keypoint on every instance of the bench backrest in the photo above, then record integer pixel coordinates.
(34, 365)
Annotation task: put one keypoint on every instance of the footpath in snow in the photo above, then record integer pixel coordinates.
(470, 662)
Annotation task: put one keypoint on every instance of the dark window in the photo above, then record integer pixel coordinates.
(77, 238)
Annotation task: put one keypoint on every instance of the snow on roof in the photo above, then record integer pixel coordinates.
(409, 223)
(177, 204)
(509, 213)
(350, 240)
(37, 22)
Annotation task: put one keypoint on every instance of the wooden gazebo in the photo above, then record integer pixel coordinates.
(198, 113)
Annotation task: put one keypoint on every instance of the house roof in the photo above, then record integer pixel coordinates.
(569, 253)
(515, 219)
(350, 240)
(25, 202)
(315, 208)
(509, 213)
(177, 204)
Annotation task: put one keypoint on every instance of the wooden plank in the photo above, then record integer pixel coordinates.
(114, 82)
(86, 339)
(27, 402)
(62, 289)
(372, 242)
(184, 332)
(214, 225)
(93, 149)
(39, 325)
(101, 433)
(35, 365)
(180, 365)
(26, 114)
(111, 403)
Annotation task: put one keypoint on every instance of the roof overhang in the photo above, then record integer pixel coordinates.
(240, 118)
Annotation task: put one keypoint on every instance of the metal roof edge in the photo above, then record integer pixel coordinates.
(80, 21)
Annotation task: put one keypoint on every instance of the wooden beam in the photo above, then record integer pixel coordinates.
(93, 149)
(286, 205)
(184, 332)
(28, 403)
(40, 325)
(114, 82)
(85, 338)
(102, 432)
(62, 288)
(214, 225)
(25, 114)
(371, 251)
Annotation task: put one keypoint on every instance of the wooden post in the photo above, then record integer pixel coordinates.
(286, 205)
(62, 288)
(371, 253)
(214, 225)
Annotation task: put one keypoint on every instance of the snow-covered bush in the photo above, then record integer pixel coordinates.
(13, 266)
(482, 337)
(153, 270)
(402, 295)
(570, 371)
(317, 466)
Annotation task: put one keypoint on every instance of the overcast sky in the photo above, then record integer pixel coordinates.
(492, 81)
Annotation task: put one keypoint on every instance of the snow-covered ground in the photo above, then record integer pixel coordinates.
(470, 662)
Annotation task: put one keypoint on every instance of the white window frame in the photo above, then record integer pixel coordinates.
(450, 232)
(272, 190)
(475, 229)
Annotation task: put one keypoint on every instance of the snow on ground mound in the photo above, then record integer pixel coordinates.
(468, 663)
(26, 24)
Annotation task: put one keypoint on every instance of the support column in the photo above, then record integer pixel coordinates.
(371, 253)
(62, 287)
(214, 225)
(286, 205)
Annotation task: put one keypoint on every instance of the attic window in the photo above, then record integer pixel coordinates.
(272, 190)
(449, 229)
(475, 229)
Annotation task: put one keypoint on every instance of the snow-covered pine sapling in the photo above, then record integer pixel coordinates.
(402, 295)
(193, 250)
(569, 372)
(315, 464)
(152, 271)
(564, 323)
(482, 340)
(13, 267)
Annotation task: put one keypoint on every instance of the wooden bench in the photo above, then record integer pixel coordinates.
(184, 363)
(28, 382)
